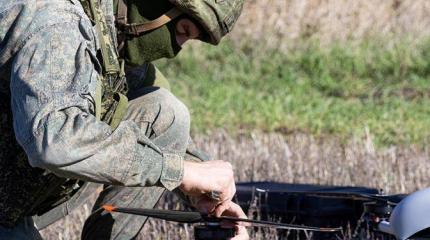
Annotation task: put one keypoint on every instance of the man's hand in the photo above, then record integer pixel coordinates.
(231, 209)
(200, 179)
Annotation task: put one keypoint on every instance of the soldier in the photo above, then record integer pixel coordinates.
(68, 119)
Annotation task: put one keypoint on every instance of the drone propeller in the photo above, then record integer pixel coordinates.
(347, 195)
(196, 217)
(259, 223)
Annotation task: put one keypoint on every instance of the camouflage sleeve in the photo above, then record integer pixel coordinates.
(53, 83)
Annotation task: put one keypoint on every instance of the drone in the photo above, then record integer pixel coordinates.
(324, 210)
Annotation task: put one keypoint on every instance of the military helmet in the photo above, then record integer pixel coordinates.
(217, 17)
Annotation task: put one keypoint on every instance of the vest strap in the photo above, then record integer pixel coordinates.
(108, 49)
(111, 102)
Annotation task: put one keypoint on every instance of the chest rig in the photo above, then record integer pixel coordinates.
(110, 104)
(111, 101)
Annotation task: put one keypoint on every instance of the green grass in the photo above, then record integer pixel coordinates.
(338, 90)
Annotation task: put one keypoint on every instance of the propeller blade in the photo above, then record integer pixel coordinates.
(196, 217)
(346, 195)
(168, 215)
(258, 223)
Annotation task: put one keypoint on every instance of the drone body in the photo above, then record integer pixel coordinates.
(367, 213)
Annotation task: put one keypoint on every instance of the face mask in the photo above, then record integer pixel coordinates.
(155, 44)
(151, 46)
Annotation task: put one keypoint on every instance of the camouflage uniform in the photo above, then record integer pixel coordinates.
(49, 50)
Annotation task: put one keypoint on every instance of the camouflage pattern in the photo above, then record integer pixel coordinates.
(110, 62)
(111, 100)
(217, 17)
(17, 199)
(49, 49)
(165, 121)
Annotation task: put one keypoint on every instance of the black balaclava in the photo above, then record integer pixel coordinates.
(155, 44)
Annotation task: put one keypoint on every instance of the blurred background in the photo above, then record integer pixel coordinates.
(308, 91)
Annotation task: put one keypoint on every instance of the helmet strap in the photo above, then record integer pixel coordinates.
(135, 29)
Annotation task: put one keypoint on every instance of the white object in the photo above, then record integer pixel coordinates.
(410, 216)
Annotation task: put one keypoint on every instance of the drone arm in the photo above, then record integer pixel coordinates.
(195, 217)
(175, 216)
(385, 227)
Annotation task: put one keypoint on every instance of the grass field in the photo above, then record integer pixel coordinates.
(341, 89)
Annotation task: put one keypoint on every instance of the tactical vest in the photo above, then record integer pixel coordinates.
(28, 191)
(110, 100)
(22, 187)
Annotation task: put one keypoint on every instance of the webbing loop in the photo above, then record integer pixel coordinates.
(108, 49)
(111, 102)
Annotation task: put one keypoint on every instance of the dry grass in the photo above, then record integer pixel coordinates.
(280, 23)
(296, 158)
(300, 158)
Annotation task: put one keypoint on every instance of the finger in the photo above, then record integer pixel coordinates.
(228, 193)
(206, 205)
(221, 208)
(241, 234)
(235, 210)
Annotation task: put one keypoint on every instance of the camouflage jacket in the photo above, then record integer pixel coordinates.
(48, 72)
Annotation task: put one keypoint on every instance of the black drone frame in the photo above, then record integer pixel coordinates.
(286, 200)
(209, 226)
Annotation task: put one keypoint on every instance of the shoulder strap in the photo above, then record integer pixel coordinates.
(108, 50)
